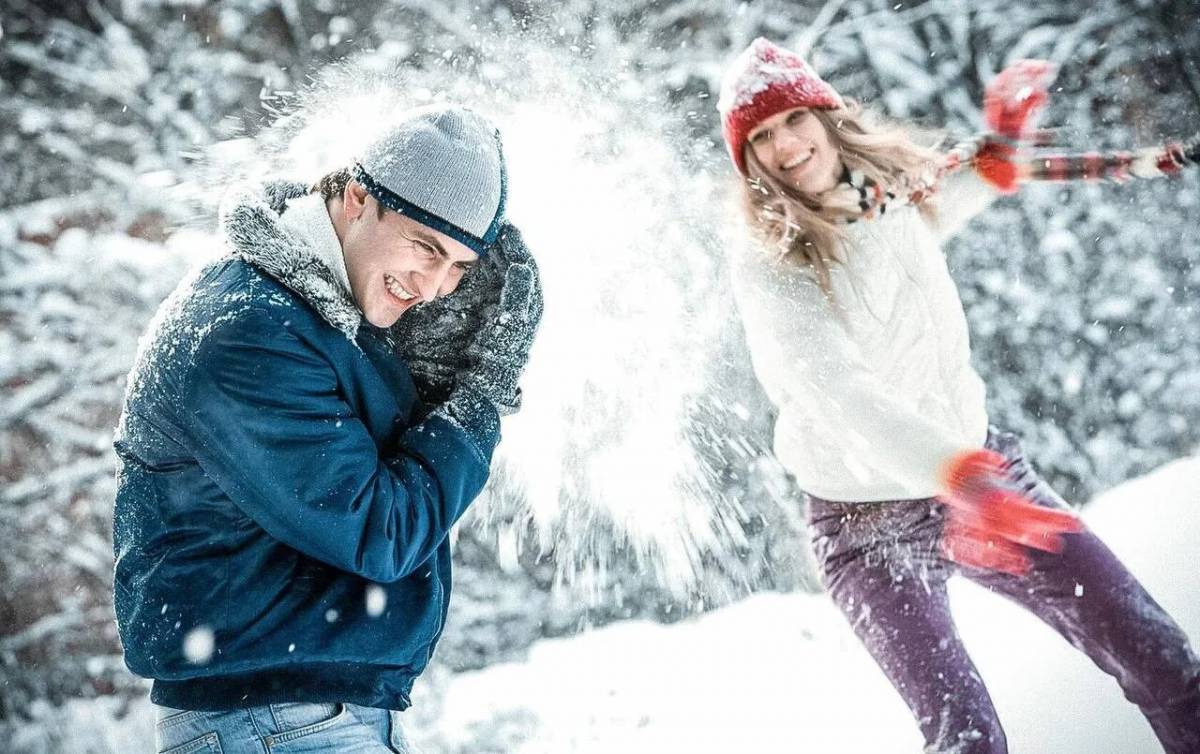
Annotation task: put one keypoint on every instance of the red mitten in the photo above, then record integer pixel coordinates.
(988, 524)
(1011, 103)
(995, 162)
(1012, 99)
(975, 548)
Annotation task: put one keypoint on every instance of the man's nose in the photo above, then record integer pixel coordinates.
(434, 280)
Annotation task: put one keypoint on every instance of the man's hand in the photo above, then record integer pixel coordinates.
(497, 356)
(988, 524)
(434, 338)
(499, 352)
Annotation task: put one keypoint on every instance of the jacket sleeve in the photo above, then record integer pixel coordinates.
(823, 387)
(266, 421)
(961, 196)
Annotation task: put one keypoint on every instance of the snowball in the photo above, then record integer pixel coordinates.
(198, 645)
(376, 600)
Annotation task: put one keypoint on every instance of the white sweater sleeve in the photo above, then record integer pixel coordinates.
(825, 392)
(961, 196)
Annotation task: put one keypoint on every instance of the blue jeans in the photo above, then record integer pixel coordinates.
(288, 728)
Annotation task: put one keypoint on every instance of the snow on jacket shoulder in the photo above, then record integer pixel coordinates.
(283, 502)
(874, 387)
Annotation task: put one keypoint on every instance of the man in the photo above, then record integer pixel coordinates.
(284, 497)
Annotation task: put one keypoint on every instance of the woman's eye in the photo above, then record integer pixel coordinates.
(759, 137)
(796, 116)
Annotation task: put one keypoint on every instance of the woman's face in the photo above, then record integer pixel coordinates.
(795, 149)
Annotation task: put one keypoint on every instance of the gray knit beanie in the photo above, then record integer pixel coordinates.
(443, 166)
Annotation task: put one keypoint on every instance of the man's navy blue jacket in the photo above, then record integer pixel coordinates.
(281, 490)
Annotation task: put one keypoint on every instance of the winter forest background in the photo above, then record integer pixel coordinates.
(638, 482)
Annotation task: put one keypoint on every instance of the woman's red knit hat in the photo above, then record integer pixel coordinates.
(764, 80)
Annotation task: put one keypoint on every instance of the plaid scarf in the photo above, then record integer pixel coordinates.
(858, 197)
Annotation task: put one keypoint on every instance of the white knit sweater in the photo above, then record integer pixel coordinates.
(876, 390)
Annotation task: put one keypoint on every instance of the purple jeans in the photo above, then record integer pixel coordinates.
(883, 567)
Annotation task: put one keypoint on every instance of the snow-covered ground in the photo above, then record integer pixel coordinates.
(783, 673)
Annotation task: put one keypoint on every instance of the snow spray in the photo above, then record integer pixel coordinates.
(604, 455)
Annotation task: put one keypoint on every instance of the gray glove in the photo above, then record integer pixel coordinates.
(487, 388)
(500, 350)
(434, 338)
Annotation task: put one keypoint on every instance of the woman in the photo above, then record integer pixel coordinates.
(858, 335)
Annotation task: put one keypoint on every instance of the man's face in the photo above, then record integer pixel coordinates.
(395, 262)
(795, 149)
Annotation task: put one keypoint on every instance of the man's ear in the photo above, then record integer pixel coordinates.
(354, 200)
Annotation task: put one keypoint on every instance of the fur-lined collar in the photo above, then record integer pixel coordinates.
(250, 220)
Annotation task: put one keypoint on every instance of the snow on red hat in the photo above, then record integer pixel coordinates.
(764, 80)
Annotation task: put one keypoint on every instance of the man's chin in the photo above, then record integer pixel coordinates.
(384, 320)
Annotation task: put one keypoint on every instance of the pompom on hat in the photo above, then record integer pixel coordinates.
(764, 80)
(443, 166)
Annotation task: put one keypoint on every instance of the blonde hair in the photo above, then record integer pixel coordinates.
(804, 228)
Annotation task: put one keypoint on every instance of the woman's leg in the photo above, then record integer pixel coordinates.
(1087, 595)
(882, 567)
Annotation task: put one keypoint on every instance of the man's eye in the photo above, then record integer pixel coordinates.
(427, 249)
